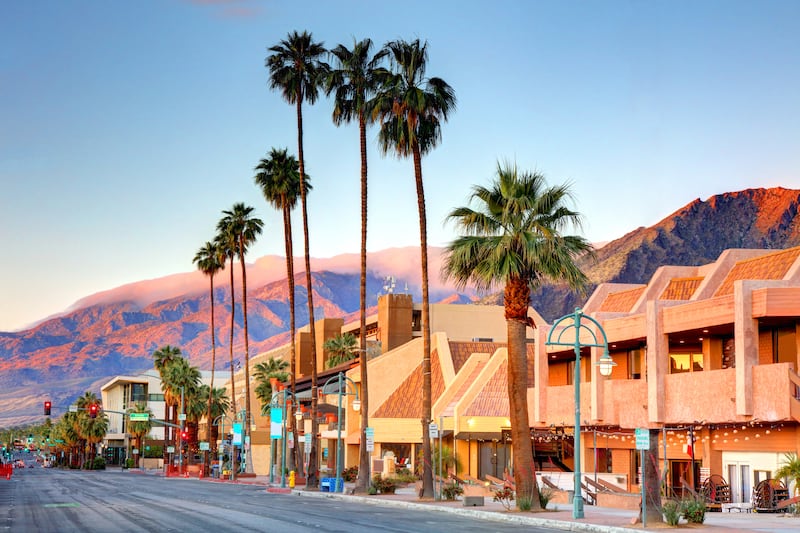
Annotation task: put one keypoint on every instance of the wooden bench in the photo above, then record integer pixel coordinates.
(783, 504)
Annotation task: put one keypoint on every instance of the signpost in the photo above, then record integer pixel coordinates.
(370, 433)
(643, 443)
(433, 430)
(140, 417)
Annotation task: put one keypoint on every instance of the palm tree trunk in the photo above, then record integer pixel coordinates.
(233, 383)
(363, 454)
(295, 462)
(311, 479)
(247, 413)
(209, 422)
(516, 297)
(427, 476)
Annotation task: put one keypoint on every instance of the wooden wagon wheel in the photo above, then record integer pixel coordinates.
(716, 490)
(765, 494)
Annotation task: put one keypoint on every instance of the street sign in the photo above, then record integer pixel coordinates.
(433, 430)
(204, 446)
(642, 438)
(181, 416)
(135, 451)
(170, 449)
(73, 408)
(370, 434)
(140, 417)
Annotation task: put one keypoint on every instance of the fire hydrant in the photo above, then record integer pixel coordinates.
(291, 479)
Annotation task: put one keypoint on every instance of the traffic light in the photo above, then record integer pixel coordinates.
(93, 411)
(184, 435)
(47, 406)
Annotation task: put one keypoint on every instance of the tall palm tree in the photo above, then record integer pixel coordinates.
(163, 358)
(355, 80)
(296, 69)
(514, 238)
(278, 177)
(139, 428)
(220, 405)
(210, 259)
(246, 228)
(411, 108)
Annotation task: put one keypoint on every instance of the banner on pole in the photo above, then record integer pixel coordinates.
(275, 422)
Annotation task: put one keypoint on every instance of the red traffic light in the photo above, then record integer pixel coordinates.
(184, 435)
(93, 411)
(47, 406)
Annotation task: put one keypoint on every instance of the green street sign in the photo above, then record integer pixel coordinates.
(140, 417)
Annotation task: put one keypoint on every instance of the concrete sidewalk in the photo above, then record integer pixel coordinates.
(559, 516)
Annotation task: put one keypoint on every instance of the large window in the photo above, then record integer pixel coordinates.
(138, 393)
(635, 363)
(680, 362)
(784, 347)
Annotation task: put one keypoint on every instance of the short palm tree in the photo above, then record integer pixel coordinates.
(263, 372)
(210, 259)
(513, 238)
(411, 109)
(297, 70)
(278, 177)
(139, 428)
(245, 227)
(341, 348)
(355, 80)
(790, 469)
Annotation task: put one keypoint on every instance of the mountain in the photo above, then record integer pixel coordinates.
(115, 332)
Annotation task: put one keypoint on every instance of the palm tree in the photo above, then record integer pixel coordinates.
(297, 70)
(790, 469)
(240, 222)
(90, 430)
(264, 371)
(220, 404)
(355, 82)
(411, 108)
(341, 349)
(278, 177)
(226, 242)
(210, 259)
(514, 239)
(139, 428)
(163, 358)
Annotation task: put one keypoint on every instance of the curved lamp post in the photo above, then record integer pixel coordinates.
(574, 323)
(275, 403)
(343, 383)
(220, 421)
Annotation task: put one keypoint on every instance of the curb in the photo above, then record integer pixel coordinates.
(483, 515)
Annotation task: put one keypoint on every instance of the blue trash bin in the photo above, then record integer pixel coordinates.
(325, 484)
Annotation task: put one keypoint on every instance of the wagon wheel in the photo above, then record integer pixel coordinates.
(716, 490)
(765, 494)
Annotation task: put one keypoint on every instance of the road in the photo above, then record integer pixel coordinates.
(66, 501)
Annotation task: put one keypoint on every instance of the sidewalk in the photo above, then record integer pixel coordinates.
(558, 516)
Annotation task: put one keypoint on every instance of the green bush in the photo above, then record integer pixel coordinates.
(672, 512)
(451, 490)
(404, 475)
(130, 463)
(545, 495)
(384, 485)
(99, 463)
(155, 452)
(694, 510)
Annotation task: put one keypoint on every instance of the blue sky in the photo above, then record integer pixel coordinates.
(127, 127)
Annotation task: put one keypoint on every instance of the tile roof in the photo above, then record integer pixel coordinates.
(622, 301)
(406, 400)
(460, 351)
(765, 267)
(466, 384)
(492, 400)
(680, 288)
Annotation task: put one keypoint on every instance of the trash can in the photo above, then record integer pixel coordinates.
(570, 496)
(325, 484)
(215, 471)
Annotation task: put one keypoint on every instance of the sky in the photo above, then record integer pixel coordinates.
(127, 127)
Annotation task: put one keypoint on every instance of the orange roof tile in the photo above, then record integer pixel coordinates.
(621, 302)
(765, 267)
(680, 288)
(460, 351)
(406, 400)
(492, 400)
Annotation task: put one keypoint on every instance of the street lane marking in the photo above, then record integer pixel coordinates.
(62, 505)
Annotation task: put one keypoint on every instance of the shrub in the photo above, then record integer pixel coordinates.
(694, 510)
(404, 475)
(545, 495)
(451, 490)
(525, 503)
(372, 490)
(384, 485)
(672, 512)
(99, 463)
(130, 463)
(504, 496)
(350, 474)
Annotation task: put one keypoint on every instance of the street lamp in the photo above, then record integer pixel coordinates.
(220, 422)
(606, 364)
(342, 382)
(284, 433)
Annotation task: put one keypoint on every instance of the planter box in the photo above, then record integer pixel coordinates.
(473, 501)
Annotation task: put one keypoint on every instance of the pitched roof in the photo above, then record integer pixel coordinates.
(680, 288)
(460, 351)
(622, 301)
(765, 267)
(406, 400)
(492, 400)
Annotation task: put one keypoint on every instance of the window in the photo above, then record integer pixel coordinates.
(155, 397)
(635, 363)
(138, 393)
(685, 362)
(784, 349)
